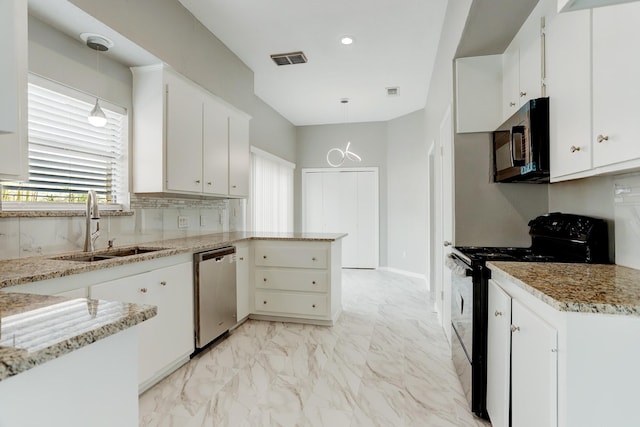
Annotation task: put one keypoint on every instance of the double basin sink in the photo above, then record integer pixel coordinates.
(107, 255)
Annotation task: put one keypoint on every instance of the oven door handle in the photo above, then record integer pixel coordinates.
(458, 267)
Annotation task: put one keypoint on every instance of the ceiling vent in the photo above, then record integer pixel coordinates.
(289, 58)
(393, 91)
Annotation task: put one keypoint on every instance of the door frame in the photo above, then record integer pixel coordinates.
(374, 169)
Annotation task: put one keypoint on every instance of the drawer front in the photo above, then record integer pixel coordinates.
(286, 304)
(291, 256)
(292, 280)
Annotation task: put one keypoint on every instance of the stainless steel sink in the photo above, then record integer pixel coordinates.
(106, 255)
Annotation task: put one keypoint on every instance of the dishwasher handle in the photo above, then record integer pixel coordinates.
(216, 254)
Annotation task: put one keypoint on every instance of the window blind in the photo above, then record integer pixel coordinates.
(67, 155)
(271, 199)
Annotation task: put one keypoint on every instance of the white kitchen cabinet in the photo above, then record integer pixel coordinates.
(166, 340)
(498, 356)
(242, 280)
(616, 67)
(569, 88)
(239, 156)
(510, 81)
(13, 90)
(478, 89)
(534, 369)
(186, 140)
(297, 280)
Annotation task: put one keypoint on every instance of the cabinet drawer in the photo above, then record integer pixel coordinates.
(291, 256)
(285, 303)
(292, 280)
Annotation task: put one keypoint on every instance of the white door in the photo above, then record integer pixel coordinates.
(344, 201)
(446, 219)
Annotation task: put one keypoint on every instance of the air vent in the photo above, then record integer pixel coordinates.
(393, 91)
(289, 58)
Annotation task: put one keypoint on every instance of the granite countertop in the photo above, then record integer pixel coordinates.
(585, 288)
(37, 328)
(32, 269)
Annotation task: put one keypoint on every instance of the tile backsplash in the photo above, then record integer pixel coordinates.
(153, 219)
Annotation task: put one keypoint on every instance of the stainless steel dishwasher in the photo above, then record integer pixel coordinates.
(215, 294)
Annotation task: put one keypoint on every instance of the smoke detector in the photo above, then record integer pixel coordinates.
(96, 41)
(290, 58)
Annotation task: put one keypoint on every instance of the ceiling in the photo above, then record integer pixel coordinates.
(395, 46)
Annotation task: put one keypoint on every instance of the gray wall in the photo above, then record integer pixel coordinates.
(407, 194)
(167, 30)
(489, 214)
(368, 140)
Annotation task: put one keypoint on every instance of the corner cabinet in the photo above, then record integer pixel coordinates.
(297, 280)
(13, 90)
(165, 341)
(186, 140)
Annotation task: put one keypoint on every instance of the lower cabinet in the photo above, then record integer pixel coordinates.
(242, 281)
(522, 364)
(166, 340)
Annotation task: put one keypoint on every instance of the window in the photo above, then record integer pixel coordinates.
(271, 200)
(67, 155)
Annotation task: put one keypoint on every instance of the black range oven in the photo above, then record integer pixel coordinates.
(555, 237)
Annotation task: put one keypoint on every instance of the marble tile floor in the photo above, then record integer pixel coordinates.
(385, 363)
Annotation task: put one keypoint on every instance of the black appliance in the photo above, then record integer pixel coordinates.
(521, 145)
(555, 237)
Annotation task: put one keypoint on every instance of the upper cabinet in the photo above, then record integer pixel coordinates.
(13, 87)
(186, 141)
(569, 5)
(478, 89)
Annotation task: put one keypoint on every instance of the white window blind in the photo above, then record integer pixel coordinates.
(67, 155)
(271, 200)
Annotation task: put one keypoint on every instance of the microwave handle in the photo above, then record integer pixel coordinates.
(517, 130)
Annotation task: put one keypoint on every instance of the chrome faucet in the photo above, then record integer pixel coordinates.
(93, 213)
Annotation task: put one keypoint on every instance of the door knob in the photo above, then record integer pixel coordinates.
(515, 328)
(602, 138)
(447, 243)
(574, 148)
(497, 313)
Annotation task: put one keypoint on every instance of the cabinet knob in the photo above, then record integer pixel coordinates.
(264, 279)
(143, 290)
(264, 302)
(241, 258)
(163, 283)
(446, 243)
(512, 104)
(197, 181)
(209, 183)
(515, 328)
(574, 148)
(313, 259)
(313, 306)
(523, 94)
(497, 313)
(313, 283)
(264, 257)
(233, 186)
(602, 138)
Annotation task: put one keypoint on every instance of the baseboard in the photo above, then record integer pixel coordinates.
(404, 273)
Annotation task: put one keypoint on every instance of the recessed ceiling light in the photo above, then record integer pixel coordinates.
(347, 40)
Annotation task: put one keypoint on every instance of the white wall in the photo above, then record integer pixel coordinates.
(407, 194)
(368, 140)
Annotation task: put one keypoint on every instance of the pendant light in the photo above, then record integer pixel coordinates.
(100, 44)
(337, 156)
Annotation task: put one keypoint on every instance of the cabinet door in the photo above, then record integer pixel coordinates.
(530, 64)
(215, 149)
(184, 137)
(616, 67)
(239, 157)
(510, 83)
(498, 356)
(569, 87)
(242, 281)
(13, 90)
(534, 370)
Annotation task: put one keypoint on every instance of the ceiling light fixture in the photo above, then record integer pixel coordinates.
(100, 44)
(336, 156)
(347, 40)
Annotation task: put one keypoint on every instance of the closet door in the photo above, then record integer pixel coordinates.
(340, 194)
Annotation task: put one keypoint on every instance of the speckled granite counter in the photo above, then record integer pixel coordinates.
(587, 288)
(36, 328)
(25, 270)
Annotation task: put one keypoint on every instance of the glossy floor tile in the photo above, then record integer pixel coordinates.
(385, 363)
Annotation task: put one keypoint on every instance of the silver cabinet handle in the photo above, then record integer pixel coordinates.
(497, 313)
(447, 243)
(573, 149)
(163, 283)
(241, 258)
(515, 328)
(602, 138)
(233, 186)
(197, 181)
(209, 183)
(143, 290)
(523, 94)
(512, 104)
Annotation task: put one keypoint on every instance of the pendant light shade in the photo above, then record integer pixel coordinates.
(97, 117)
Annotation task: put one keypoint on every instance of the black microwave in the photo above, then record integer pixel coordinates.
(521, 145)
